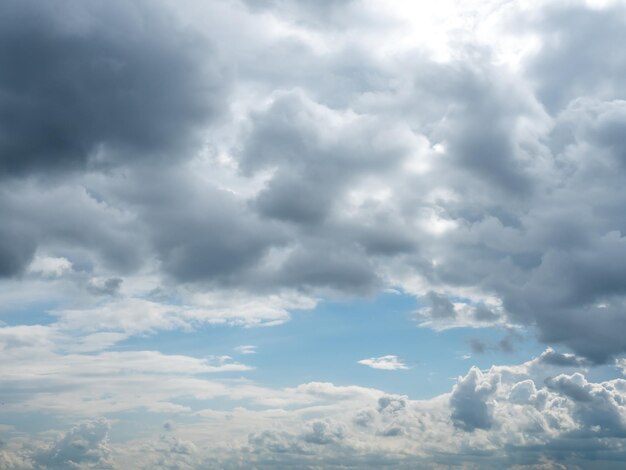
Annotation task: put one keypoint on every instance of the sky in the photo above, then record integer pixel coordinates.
(281, 234)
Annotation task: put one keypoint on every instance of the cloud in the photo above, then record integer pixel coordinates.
(323, 433)
(98, 84)
(16, 251)
(598, 61)
(468, 402)
(50, 266)
(550, 356)
(246, 349)
(477, 346)
(15, 460)
(109, 286)
(388, 362)
(84, 446)
(510, 414)
(441, 307)
(137, 315)
(465, 182)
(172, 166)
(315, 8)
(170, 452)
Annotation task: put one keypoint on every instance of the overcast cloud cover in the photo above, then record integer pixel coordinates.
(180, 181)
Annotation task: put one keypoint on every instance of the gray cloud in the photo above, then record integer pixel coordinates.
(597, 406)
(85, 445)
(93, 82)
(440, 306)
(315, 159)
(477, 346)
(320, 13)
(484, 313)
(323, 433)
(552, 357)
(532, 196)
(199, 232)
(108, 286)
(581, 53)
(16, 250)
(73, 223)
(468, 402)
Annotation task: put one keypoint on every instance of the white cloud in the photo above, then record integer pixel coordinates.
(50, 266)
(83, 447)
(504, 413)
(139, 315)
(246, 349)
(388, 362)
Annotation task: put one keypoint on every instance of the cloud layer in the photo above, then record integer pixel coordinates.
(137, 148)
(168, 167)
(528, 415)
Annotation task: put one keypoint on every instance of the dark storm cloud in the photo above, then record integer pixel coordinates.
(89, 81)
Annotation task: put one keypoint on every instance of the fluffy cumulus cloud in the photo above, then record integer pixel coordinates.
(531, 415)
(84, 446)
(171, 167)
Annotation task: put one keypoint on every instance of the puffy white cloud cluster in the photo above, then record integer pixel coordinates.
(533, 415)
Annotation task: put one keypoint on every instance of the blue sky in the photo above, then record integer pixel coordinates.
(291, 234)
(326, 343)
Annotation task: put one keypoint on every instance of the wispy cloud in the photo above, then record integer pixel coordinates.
(246, 349)
(388, 362)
